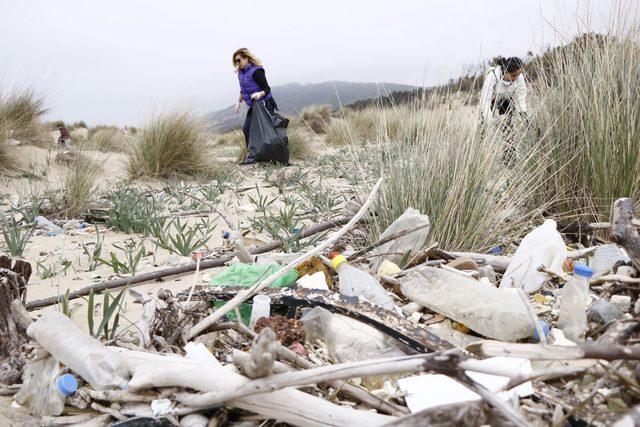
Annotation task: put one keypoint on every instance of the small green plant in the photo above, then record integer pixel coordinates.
(64, 304)
(111, 308)
(15, 236)
(260, 202)
(131, 210)
(133, 253)
(49, 271)
(29, 210)
(95, 253)
(185, 239)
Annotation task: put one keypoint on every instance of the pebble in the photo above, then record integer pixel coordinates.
(623, 302)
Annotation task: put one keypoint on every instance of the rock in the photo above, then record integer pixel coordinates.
(623, 302)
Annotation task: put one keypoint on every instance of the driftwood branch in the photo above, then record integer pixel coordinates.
(438, 362)
(623, 230)
(263, 355)
(551, 352)
(247, 293)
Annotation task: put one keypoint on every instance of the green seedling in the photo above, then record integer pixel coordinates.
(15, 236)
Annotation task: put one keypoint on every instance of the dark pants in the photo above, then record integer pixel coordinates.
(505, 106)
(271, 106)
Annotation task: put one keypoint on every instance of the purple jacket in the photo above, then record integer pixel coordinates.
(248, 85)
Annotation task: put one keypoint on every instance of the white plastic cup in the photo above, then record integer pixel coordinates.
(261, 308)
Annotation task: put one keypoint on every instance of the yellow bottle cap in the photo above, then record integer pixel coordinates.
(337, 260)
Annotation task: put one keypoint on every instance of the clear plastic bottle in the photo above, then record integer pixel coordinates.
(357, 283)
(572, 319)
(101, 367)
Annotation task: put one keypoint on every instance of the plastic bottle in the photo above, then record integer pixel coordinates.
(261, 308)
(101, 367)
(572, 318)
(357, 283)
(606, 256)
(543, 246)
(495, 313)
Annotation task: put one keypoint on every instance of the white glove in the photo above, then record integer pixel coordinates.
(257, 95)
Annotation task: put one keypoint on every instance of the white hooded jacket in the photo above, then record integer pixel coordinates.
(496, 88)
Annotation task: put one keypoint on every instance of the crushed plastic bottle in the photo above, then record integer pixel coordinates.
(606, 256)
(349, 340)
(101, 367)
(49, 228)
(357, 283)
(572, 317)
(495, 313)
(604, 312)
(412, 242)
(39, 391)
(543, 246)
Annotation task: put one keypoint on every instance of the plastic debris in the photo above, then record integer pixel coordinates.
(494, 313)
(409, 243)
(358, 283)
(606, 256)
(572, 317)
(543, 246)
(85, 355)
(240, 274)
(604, 312)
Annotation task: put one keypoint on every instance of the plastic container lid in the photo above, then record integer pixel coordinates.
(545, 330)
(582, 270)
(67, 384)
(337, 260)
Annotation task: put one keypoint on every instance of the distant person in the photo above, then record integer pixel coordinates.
(64, 140)
(253, 87)
(504, 92)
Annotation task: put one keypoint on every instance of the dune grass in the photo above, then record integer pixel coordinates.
(317, 117)
(22, 111)
(299, 142)
(109, 139)
(590, 111)
(437, 160)
(171, 143)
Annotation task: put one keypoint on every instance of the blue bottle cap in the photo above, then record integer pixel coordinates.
(225, 234)
(67, 384)
(582, 270)
(545, 330)
(495, 250)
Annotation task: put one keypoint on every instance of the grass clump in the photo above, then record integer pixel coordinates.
(108, 139)
(590, 111)
(317, 117)
(172, 143)
(299, 142)
(79, 184)
(441, 165)
(21, 110)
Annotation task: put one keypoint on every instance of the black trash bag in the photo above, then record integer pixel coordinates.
(268, 140)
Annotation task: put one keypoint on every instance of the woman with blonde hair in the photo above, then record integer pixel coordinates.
(253, 87)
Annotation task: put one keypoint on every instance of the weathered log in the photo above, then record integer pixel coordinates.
(204, 264)
(623, 230)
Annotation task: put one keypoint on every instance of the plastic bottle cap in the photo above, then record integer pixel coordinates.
(582, 270)
(495, 250)
(225, 235)
(337, 260)
(67, 384)
(545, 330)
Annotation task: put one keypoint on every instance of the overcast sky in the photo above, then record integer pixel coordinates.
(117, 61)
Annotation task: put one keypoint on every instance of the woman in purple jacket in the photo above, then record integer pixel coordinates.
(253, 87)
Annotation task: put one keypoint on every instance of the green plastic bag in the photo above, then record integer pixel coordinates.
(240, 274)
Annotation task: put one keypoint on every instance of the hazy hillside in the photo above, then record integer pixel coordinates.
(293, 97)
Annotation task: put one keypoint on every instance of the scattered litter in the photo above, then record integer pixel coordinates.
(543, 246)
(494, 313)
(313, 281)
(428, 391)
(240, 274)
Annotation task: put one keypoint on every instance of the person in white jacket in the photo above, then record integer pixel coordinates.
(504, 92)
